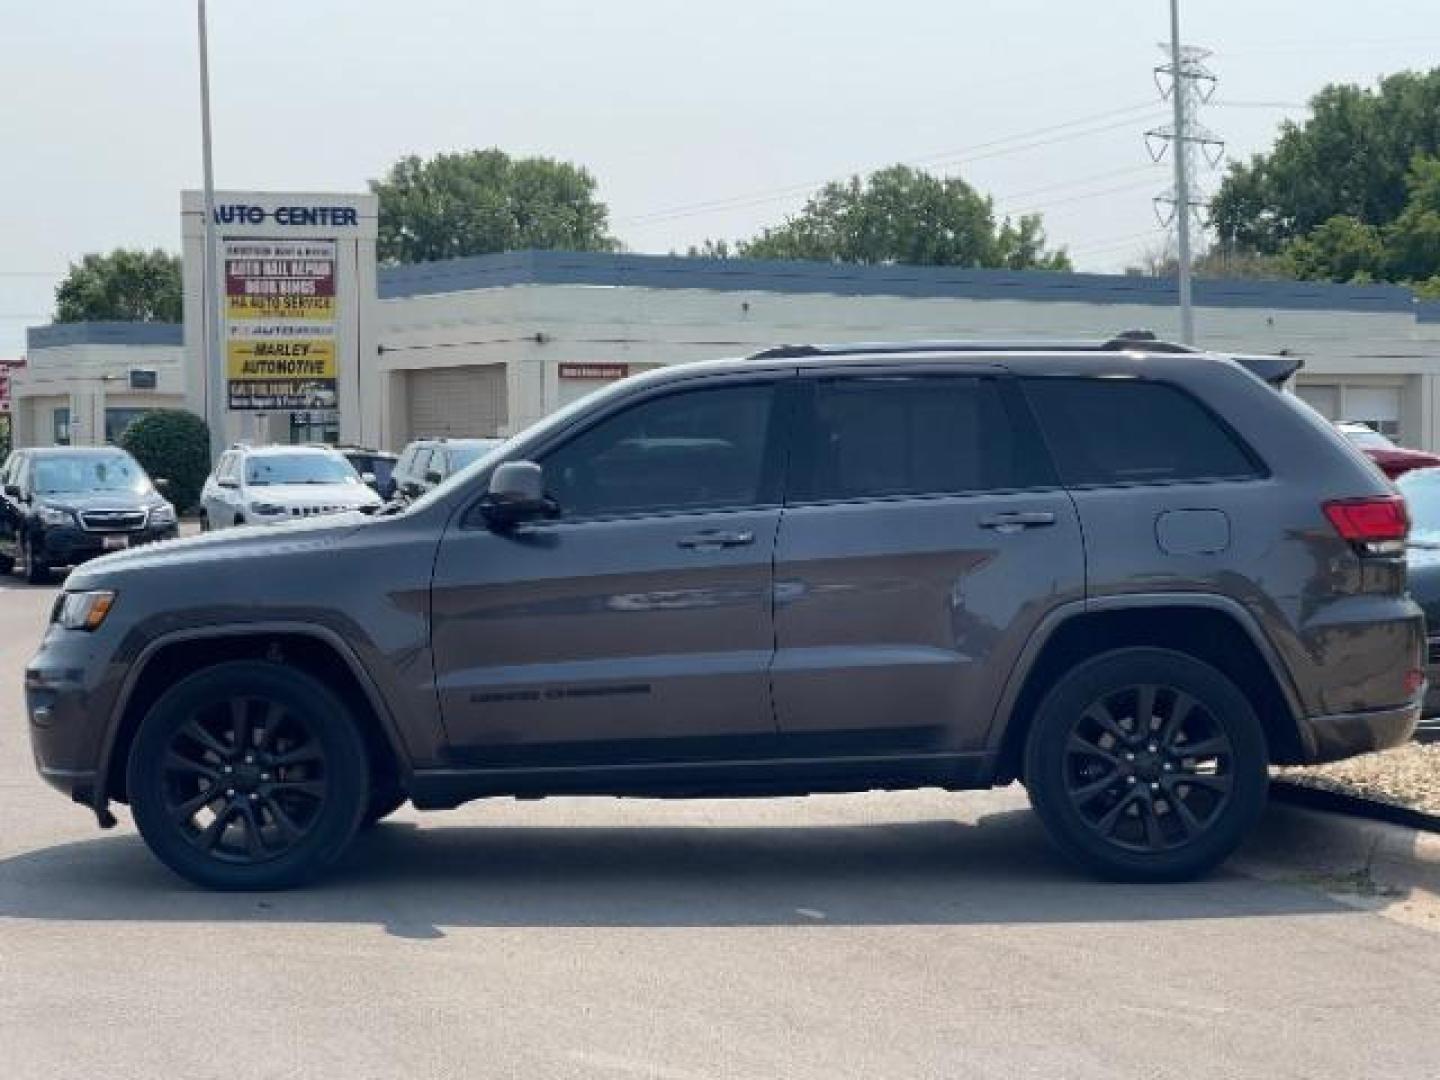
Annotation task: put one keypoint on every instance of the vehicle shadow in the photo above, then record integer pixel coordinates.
(417, 881)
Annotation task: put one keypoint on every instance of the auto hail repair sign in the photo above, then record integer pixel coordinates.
(280, 319)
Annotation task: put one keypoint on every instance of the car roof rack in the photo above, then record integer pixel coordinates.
(1126, 340)
(1273, 369)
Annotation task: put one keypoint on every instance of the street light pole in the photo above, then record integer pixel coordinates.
(215, 397)
(1182, 179)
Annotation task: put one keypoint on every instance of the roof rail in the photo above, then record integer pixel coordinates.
(1143, 340)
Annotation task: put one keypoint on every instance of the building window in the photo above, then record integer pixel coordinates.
(117, 420)
(60, 425)
(316, 426)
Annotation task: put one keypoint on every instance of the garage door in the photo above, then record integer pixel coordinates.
(1378, 406)
(459, 402)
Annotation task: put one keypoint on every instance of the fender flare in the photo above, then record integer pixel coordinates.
(1051, 624)
(323, 634)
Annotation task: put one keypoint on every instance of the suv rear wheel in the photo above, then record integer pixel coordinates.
(248, 775)
(1146, 765)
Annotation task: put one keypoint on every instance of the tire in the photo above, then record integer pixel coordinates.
(36, 571)
(383, 803)
(299, 773)
(204, 522)
(1124, 799)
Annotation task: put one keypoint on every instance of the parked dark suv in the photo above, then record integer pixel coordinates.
(63, 505)
(1130, 575)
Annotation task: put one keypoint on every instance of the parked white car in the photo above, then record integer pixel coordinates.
(271, 485)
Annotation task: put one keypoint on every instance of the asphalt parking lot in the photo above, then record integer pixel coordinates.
(915, 935)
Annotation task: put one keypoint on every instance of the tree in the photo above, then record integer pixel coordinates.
(904, 215)
(483, 201)
(1412, 240)
(1351, 158)
(123, 286)
(173, 445)
(1343, 248)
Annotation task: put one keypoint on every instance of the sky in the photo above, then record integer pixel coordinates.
(698, 119)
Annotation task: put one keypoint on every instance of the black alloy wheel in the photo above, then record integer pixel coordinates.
(248, 775)
(245, 779)
(1147, 764)
(1148, 768)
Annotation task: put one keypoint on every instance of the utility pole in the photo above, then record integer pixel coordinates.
(215, 397)
(1191, 84)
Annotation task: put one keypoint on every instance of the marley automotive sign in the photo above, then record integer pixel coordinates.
(280, 324)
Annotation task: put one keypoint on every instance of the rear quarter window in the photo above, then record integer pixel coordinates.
(1134, 431)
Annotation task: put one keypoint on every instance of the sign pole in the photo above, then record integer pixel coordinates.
(215, 397)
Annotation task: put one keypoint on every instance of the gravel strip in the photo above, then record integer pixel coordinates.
(1407, 776)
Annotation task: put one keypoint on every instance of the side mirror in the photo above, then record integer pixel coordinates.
(12, 490)
(368, 479)
(161, 483)
(517, 494)
(432, 476)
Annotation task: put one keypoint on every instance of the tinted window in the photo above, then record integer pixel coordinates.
(1126, 431)
(877, 437)
(692, 450)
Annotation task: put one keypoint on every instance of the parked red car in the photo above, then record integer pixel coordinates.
(1393, 460)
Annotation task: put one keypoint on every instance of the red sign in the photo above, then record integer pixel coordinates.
(5, 369)
(594, 371)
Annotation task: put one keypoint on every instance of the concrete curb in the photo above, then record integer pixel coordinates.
(1351, 854)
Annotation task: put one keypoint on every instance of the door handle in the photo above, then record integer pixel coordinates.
(1014, 523)
(715, 538)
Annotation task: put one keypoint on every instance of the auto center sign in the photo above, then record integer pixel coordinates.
(295, 287)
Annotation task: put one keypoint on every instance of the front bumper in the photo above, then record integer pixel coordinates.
(67, 700)
(1344, 735)
(69, 545)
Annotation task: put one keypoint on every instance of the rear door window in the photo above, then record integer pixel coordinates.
(898, 436)
(1133, 431)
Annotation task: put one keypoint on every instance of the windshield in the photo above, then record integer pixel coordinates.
(1421, 489)
(468, 454)
(1368, 439)
(78, 473)
(299, 469)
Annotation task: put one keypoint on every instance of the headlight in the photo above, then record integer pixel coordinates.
(164, 514)
(84, 610)
(264, 508)
(53, 515)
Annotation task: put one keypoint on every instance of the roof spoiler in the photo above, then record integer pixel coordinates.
(1275, 370)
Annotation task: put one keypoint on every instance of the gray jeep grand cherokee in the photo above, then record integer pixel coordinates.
(1128, 574)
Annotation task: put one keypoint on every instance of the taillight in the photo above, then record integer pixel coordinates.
(1377, 525)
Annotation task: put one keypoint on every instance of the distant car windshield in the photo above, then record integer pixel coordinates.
(1421, 488)
(298, 469)
(460, 456)
(1367, 438)
(77, 473)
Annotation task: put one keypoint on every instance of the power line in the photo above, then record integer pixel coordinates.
(977, 152)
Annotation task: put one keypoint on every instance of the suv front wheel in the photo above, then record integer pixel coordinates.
(1146, 765)
(248, 775)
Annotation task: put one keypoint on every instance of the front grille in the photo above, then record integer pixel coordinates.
(1432, 651)
(112, 520)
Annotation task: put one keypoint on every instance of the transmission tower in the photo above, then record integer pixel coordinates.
(1188, 84)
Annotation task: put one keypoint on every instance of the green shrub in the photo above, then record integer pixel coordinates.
(174, 445)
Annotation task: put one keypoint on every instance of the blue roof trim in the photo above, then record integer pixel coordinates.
(1427, 310)
(104, 333)
(750, 275)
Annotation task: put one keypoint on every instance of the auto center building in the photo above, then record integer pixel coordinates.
(320, 344)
